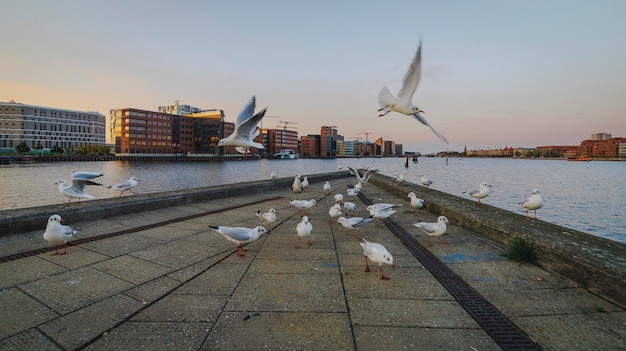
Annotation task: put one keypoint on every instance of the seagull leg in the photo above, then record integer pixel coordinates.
(382, 108)
(64, 249)
(526, 213)
(367, 266)
(535, 214)
(309, 243)
(382, 275)
(239, 249)
(56, 250)
(428, 241)
(298, 243)
(122, 193)
(443, 241)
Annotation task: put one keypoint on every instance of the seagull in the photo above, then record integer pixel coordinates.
(416, 202)
(352, 192)
(354, 222)
(434, 229)
(296, 187)
(338, 198)
(399, 177)
(125, 186)
(403, 103)
(268, 217)
(366, 176)
(305, 183)
(76, 189)
(334, 212)
(378, 254)
(245, 129)
(480, 193)
(303, 205)
(349, 206)
(381, 211)
(534, 202)
(304, 228)
(426, 182)
(327, 187)
(240, 235)
(273, 175)
(58, 233)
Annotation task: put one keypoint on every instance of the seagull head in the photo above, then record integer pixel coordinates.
(417, 110)
(55, 219)
(389, 260)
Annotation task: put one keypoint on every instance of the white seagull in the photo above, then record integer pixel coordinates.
(296, 186)
(304, 228)
(434, 229)
(426, 182)
(327, 187)
(240, 235)
(334, 212)
(480, 193)
(378, 254)
(366, 175)
(352, 192)
(382, 211)
(338, 198)
(403, 103)
(245, 129)
(353, 223)
(349, 206)
(76, 189)
(534, 202)
(268, 217)
(273, 175)
(416, 202)
(305, 183)
(399, 177)
(125, 186)
(303, 205)
(58, 233)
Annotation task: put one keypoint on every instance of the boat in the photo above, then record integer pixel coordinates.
(582, 158)
(286, 154)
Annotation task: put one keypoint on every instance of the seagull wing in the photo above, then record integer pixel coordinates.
(425, 122)
(80, 179)
(248, 127)
(427, 227)
(247, 111)
(356, 174)
(412, 77)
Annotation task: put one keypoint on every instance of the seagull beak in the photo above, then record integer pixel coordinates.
(62, 220)
(394, 267)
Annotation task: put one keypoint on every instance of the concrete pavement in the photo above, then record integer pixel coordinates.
(177, 285)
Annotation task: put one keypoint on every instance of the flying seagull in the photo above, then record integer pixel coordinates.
(245, 129)
(402, 103)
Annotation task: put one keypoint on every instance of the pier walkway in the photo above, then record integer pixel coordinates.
(160, 279)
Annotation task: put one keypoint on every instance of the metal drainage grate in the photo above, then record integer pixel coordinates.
(506, 334)
(128, 231)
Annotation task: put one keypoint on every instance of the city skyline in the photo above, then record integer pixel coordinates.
(494, 74)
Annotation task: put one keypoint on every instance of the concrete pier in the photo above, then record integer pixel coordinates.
(155, 277)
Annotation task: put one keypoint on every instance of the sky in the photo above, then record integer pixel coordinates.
(494, 73)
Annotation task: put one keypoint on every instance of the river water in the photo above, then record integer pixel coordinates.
(586, 196)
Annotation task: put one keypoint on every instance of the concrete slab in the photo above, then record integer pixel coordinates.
(189, 272)
(21, 312)
(75, 329)
(31, 339)
(288, 292)
(14, 244)
(121, 245)
(132, 269)
(26, 270)
(397, 338)
(76, 257)
(183, 308)
(155, 289)
(221, 279)
(73, 290)
(177, 254)
(281, 331)
(153, 336)
(304, 264)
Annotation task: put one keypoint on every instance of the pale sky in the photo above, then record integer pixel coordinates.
(494, 73)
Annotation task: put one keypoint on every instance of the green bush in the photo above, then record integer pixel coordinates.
(522, 251)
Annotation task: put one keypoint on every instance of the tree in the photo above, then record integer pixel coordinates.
(56, 149)
(22, 148)
(38, 147)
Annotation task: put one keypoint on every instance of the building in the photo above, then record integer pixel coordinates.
(600, 136)
(46, 127)
(555, 150)
(399, 149)
(142, 132)
(389, 148)
(346, 148)
(276, 140)
(606, 148)
(310, 145)
(178, 109)
(328, 141)
(208, 128)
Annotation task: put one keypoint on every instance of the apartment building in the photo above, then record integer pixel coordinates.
(276, 140)
(142, 132)
(49, 126)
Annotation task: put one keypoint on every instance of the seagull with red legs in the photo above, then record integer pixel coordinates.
(240, 235)
(533, 203)
(58, 233)
(480, 193)
(246, 129)
(378, 254)
(434, 229)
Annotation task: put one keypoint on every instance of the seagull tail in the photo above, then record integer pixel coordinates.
(385, 97)
(214, 227)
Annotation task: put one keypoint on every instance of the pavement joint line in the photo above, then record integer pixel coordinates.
(501, 329)
(25, 254)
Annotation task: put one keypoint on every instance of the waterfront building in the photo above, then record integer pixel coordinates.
(377, 147)
(399, 149)
(208, 128)
(46, 127)
(328, 141)
(600, 136)
(178, 109)
(346, 148)
(276, 140)
(139, 131)
(606, 148)
(555, 150)
(389, 148)
(310, 145)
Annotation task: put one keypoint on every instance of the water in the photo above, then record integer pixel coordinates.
(586, 196)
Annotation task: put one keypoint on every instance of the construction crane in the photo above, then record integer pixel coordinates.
(286, 124)
(367, 134)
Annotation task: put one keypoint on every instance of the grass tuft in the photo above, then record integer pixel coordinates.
(522, 251)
